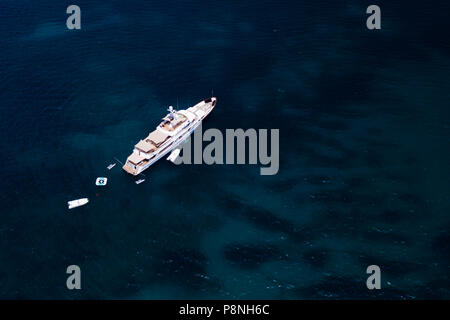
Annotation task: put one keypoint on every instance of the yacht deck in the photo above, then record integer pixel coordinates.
(171, 125)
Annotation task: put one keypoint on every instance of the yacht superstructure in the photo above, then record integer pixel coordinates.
(174, 129)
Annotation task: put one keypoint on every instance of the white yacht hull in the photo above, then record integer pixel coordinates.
(163, 153)
(177, 139)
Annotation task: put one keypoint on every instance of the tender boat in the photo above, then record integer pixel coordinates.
(77, 203)
(112, 165)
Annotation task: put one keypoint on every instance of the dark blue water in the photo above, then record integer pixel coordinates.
(364, 150)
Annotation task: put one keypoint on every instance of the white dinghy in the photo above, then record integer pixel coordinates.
(77, 203)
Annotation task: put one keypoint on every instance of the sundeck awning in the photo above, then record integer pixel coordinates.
(145, 146)
(135, 158)
(157, 137)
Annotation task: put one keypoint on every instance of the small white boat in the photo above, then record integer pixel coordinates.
(112, 165)
(101, 181)
(174, 155)
(77, 203)
(140, 181)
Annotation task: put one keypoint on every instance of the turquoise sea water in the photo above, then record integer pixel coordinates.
(364, 150)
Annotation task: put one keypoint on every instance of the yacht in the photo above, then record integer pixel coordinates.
(174, 129)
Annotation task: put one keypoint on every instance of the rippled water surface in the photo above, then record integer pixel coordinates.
(364, 150)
